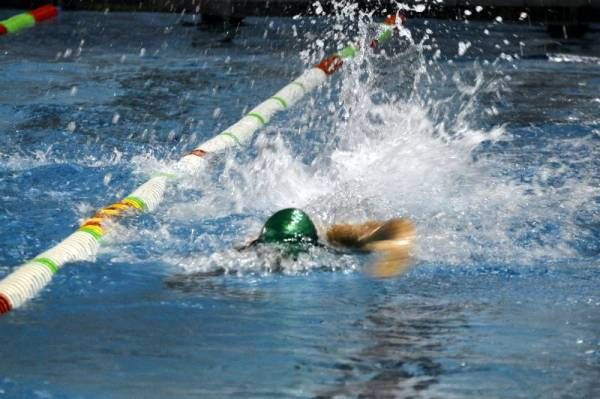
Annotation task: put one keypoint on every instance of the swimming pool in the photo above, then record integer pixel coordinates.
(490, 145)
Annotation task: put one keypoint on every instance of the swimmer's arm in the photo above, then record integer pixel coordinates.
(349, 235)
(392, 240)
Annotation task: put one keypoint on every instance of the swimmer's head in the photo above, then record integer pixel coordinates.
(290, 228)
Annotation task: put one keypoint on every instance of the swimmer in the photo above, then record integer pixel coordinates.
(291, 231)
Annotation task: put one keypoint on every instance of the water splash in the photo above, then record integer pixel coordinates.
(396, 135)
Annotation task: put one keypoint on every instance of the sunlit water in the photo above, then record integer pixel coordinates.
(487, 135)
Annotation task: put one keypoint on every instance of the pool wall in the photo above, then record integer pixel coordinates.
(567, 12)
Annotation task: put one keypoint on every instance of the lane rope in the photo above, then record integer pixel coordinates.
(27, 280)
(28, 19)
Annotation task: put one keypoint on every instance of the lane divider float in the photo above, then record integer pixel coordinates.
(28, 19)
(27, 280)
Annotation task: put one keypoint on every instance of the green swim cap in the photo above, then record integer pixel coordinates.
(289, 226)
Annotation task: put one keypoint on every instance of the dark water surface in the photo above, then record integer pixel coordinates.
(487, 135)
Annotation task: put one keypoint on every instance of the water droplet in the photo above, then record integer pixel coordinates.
(318, 8)
(107, 179)
(463, 47)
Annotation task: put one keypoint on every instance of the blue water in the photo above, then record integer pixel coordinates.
(490, 145)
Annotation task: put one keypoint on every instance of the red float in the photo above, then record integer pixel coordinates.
(44, 12)
(199, 153)
(392, 20)
(5, 305)
(331, 64)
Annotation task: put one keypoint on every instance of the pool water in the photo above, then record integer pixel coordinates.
(486, 135)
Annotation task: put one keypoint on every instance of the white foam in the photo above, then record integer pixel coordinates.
(573, 58)
(417, 156)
